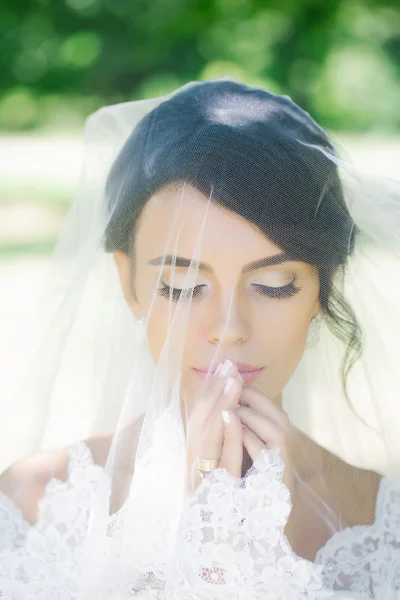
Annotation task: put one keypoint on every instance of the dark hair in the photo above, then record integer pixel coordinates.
(247, 149)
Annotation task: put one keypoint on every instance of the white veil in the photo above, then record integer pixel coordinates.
(135, 151)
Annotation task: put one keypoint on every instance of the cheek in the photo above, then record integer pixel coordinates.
(288, 350)
(157, 332)
(161, 331)
(283, 324)
(282, 335)
(155, 309)
(158, 329)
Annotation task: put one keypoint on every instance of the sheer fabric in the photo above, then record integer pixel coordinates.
(229, 287)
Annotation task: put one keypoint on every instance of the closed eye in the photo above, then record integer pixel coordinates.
(285, 291)
(281, 292)
(176, 293)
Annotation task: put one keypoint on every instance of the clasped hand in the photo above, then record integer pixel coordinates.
(229, 417)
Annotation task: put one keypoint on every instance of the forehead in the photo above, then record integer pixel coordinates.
(181, 220)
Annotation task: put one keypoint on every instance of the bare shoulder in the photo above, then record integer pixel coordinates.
(25, 482)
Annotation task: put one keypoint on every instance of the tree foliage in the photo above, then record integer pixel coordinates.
(338, 58)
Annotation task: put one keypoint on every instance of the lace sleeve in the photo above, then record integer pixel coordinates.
(41, 561)
(366, 559)
(13, 528)
(231, 544)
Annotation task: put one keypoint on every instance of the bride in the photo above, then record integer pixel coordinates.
(243, 441)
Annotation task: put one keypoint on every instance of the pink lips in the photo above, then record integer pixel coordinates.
(248, 372)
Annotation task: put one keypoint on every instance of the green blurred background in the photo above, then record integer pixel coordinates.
(60, 60)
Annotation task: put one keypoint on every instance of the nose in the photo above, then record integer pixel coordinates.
(229, 321)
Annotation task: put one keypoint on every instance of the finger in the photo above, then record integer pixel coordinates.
(212, 439)
(208, 446)
(230, 397)
(213, 434)
(254, 447)
(207, 401)
(265, 406)
(252, 443)
(232, 453)
(205, 429)
(268, 431)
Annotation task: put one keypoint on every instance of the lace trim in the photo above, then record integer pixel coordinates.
(237, 525)
(366, 558)
(40, 561)
(230, 538)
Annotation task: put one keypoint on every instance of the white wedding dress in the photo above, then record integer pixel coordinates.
(244, 540)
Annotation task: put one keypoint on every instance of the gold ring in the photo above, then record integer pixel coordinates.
(206, 465)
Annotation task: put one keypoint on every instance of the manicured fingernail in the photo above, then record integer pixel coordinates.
(226, 417)
(240, 378)
(226, 367)
(217, 370)
(228, 385)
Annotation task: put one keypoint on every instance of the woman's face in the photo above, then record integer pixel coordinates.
(246, 305)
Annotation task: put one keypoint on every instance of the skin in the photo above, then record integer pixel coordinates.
(229, 319)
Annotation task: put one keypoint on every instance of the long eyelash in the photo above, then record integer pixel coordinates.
(285, 291)
(282, 292)
(175, 293)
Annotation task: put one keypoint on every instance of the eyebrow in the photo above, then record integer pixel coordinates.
(179, 261)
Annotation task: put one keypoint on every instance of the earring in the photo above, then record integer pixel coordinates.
(314, 331)
(140, 330)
